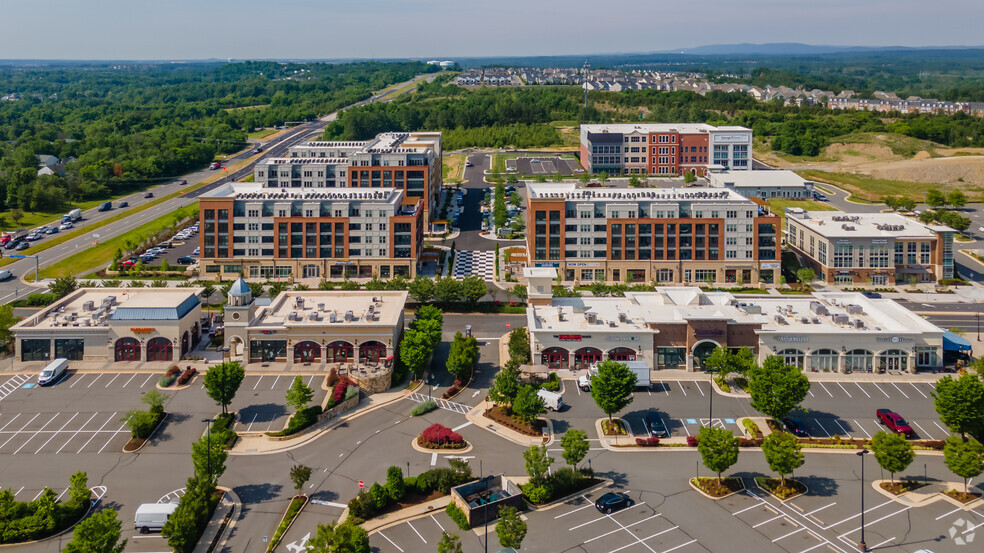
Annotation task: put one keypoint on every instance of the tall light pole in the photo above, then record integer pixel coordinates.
(862, 546)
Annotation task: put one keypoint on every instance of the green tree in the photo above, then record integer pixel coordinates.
(776, 388)
(16, 215)
(473, 289)
(141, 423)
(222, 382)
(299, 394)
(537, 464)
(892, 451)
(207, 292)
(519, 346)
(612, 387)
(724, 361)
(415, 350)
(428, 313)
(299, 475)
(421, 289)
(783, 453)
(585, 178)
(575, 445)
(528, 405)
(805, 275)
(462, 356)
(511, 529)
(7, 320)
(505, 386)
(447, 290)
(956, 198)
(964, 458)
(63, 286)
(208, 455)
(181, 528)
(449, 543)
(78, 490)
(960, 403)
(718, 449)
(339, 538)
(906, 203)
(99, 533)
(935, 198)
(396, 488)
(689, 177)
(521, 292)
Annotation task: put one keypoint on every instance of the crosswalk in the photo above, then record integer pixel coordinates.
(442, 404)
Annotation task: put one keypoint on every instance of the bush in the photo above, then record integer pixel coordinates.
(563, 482)
(396, 488)
(440, 435)
(423, 408)
(552, 384)
(752, 428)
(452, 391)
(691, 441)
(301, 420)
(332, 378)
(458, 516)
(750, 442)
(651, 441)
(536, 494)
(187, 376)
(36, 300)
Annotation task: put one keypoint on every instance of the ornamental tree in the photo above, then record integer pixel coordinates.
(964, 458)
(776, 388)
(575, 445)
(612, 387)
(718, 449)
(960, 403)
(783, 453)
(892, 451)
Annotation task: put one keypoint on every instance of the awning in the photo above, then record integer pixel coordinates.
(953, 342)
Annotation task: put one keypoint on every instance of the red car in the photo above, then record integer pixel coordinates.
(895, 421)
(126, 264)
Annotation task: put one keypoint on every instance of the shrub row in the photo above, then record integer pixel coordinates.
(564, 481)
(651, 441)
(552, 384)
(423, 407)
(25, 521)
(366, 505)
(458, 516)
(301, 420)
(187, 376)
(691, 441)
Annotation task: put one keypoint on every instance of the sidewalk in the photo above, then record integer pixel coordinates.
(230, 506)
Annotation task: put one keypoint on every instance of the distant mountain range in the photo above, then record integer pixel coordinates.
(797, 49)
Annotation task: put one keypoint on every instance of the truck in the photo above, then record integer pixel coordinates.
(72, 216)
(551, 400)
(150, 517)
(640, 368)
(53, 371)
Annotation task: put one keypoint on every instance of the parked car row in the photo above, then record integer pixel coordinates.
(160, 249)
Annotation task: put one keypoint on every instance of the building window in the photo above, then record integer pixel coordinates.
(159, 349)
(35, 350)
(858, 360)
(792, 357)
(70, 348)
(266, 351)
(824, 360)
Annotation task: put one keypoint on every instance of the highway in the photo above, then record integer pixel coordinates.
(14, 288)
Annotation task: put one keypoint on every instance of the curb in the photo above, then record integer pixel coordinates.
(156, 428)
(440, 502)
(226, 530)
(776, 497)
(422, 449)
(605, 440)
(605, 482)
(273, 544)
(690, 481)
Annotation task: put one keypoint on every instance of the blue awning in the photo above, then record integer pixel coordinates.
(953, 342)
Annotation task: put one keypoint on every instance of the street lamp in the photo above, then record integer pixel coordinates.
(978, 325)
(862, 546)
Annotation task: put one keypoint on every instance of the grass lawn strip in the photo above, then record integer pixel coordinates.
(294, 509)
(870, 188)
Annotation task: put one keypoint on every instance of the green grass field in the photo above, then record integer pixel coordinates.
(260, 135)
(868, 188)
(779, 206)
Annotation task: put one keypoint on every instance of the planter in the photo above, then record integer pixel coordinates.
(712, 489)
(793, 489)
(136, 444)
(296, 505)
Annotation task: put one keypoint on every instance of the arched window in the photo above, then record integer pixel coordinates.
(622, 354)
(555, 358)
(792, 357)
(702, 350)
(127, 349)
(307, 352)
(371, 351)
(859, 360)
(824, 360)
(893, 360)
(585, 357)
(338, 351)
(159, 349)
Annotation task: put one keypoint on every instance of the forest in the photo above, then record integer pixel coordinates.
(125, 127)
(521, 117)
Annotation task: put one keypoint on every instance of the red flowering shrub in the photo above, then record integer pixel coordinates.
(692, 441)
(338, 394)
(647, 442)
(187, 375)
(437, 434)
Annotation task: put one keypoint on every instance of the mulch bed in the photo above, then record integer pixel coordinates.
(962, 497)
(902, 486)
(449, 446)
(775, 487)
(613, 428)
(497, 414)
(134, 444)
(715, 488)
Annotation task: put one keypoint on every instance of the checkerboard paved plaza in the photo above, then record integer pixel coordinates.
(471, 262)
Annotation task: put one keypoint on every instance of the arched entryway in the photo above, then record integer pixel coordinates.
(372, 351)
(338, 351)
(702, 350)
(236, 347)
(792, 357)
(196, 333)
(185, 342)
(554, 358)
(127, 349)
(622, 354)
(159, 349)
(307, 352)
(893, 360)
(585, 357)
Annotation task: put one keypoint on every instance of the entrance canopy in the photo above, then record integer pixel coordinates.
(953, 342)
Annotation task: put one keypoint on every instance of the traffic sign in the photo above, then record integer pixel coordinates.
(362, 484)
(17, 256)
(507, 325)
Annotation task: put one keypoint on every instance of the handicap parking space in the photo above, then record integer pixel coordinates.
(62, 433)
(261, 400)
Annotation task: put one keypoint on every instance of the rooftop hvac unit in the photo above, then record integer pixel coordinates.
(88, 306)
(299, 302)
(321, 307)
(372, 307)
(292, 315)
(816, 320)
(313, 316)
(332, 317)
(349, 316)
(855, 310)
(818, 308)
(780, 319)
(108, 301)
(805, 320)
(591, 317)
(621, 317)
(841, 319)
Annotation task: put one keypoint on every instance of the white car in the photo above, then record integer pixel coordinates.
(196, 251)
(980, 229)
(66, 225)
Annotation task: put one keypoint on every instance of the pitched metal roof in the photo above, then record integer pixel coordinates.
(156, 313)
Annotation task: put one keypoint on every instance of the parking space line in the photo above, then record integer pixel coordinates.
(862, 429)
(81, 376)
(310, 380)
(852, 517)
(846, 433)
(115, 376)
(391, 541)
(923, 430)
(416, 532)
(810, 392)
(777, 517)
(871, 523)
(436, 522)
(96, 432)
(76, 433)
(36, 433)
(820, 509)
(252, 421)
(10, 421)
(22, 428)
(19, 491)
(797, 531)
(666, 389)
(275, 380)
(698, 387)
(55, 433)
(914, 387)
(845, 389)
(681, 388)
(588, 506)
(258, 383)
(759, 504)
(825, 389)
(900, 390)
(111, 438)
(620, 529)
(877, 545)
(679, 546)
(61, 494)
(39, 494)
(821, 427)
(858, 384)
(879, 389)
(94, 380)
(945, 431)
(149, 376)
(684, 424)
(821, 544)
(944, 515)
(134, 375)
(642, 540)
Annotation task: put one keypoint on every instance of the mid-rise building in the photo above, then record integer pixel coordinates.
(408, 161)
(869, 248)
(763, 184)
(667, 235)
(664, 148)
(327, 233)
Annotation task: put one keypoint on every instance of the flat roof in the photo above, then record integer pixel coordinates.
(575, 191)
(774, 179)
(686, 128)
(256, 191)
(317, 308)
(838, 224)
(118, 304)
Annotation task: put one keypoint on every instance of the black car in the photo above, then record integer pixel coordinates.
(149, 195)
(655, 426)
(795, 427)
(186, 260)
(124, 204)
(21, 246)
(613, 501)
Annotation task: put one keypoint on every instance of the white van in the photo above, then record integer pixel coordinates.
(5, 274)
(552, 400)
(151, 517)
(53, 371)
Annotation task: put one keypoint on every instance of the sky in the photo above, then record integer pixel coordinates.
(445, 29)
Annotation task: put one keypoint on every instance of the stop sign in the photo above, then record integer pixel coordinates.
(362, 484)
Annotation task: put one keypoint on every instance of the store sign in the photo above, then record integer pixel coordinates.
(730, 138)
(570, 337)
(792, 338)
(770, 266)
(582, 264)
(268, 332)
(621, 338)
(546, 264)
(708, 332)
(895, 339)
(142, 330)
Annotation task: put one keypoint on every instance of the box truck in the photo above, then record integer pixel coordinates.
(151, 517)
(53, 371)
(640, 368)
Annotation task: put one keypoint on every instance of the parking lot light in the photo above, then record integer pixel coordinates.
(862, 546)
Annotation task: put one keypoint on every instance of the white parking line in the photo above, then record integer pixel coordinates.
(845, 389)
(826, 390)
(391, 541)
(852, 517)
(900, 390)
(588, 506)
(310, 380)
(678, 546)
(19, 491)
(111, 438)
(416, 532)
(923, 430)
(432, 518)
(917, 389)
(149, 376)
(856, 423)
(22, 428)
(777, 517)
(94, 434)
(879, 389)
(252, 421)
(55, 433)
(666, 389)
(61, 494)
(810, 392)
(872, 523)
(275, 380)
(81, 376)
(115, 376)
(684, 424)
(821, 544)
(36, 433)
(820, 509)
(10, 421)
(94, 380)
(759, 504)
(862, 389)
(821, 427)
(433, 459)
(877, 545)
(460, 426)
(846, 433)
(801, 528)
(76, 433)
(944, 515)
(681, 388)
(698, 387)
(945, 431)
(620, 529)
(131, 378)
(643, 540)
(257, 384)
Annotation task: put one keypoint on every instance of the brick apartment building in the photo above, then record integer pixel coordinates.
(668, 235)
(664, 148)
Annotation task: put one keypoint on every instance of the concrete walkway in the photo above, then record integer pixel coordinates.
(230, 504)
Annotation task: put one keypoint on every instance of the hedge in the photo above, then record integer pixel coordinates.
(301, 420)
(458, 516)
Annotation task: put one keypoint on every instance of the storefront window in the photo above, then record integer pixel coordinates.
(671, 358)
(70, 348)
(338, 352)
(622, 354)
(859, 360)
(159, 349)
(824, 360)
(35, 350)
(265, 351)
(893, 360)
(127, 349)
(585, 357)
(554, 358)
(792, 357)
(926, 357)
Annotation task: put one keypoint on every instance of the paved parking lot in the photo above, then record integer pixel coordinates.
(261, 400)
(543, 165)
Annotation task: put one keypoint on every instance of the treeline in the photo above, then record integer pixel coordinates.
(125, 127)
